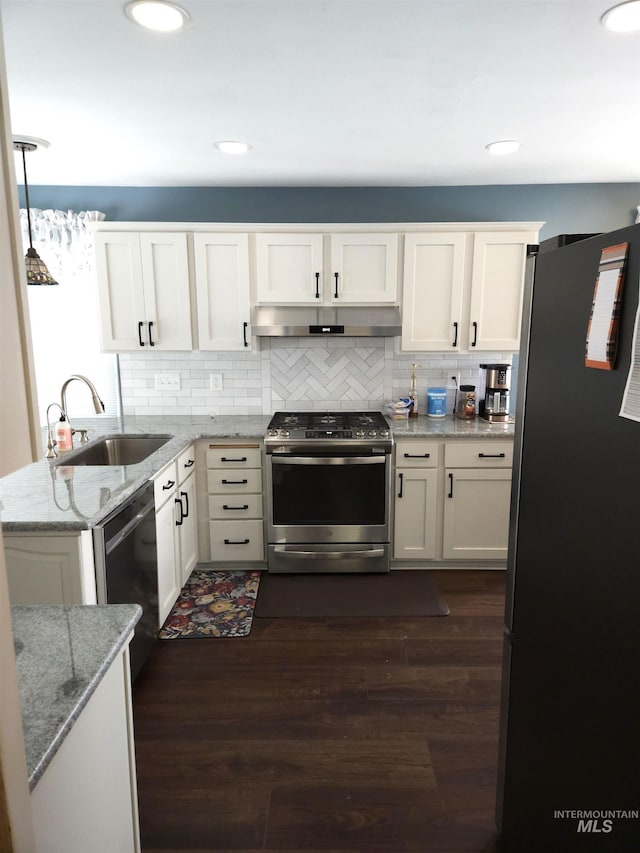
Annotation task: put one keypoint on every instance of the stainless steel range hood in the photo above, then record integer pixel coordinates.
(374, 321)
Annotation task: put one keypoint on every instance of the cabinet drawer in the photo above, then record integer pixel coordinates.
(164, 484)
(479, 454)
(417, 454)
(234, 482)
(186, 463)
(236, 540)
(228, 506)
(230, 456)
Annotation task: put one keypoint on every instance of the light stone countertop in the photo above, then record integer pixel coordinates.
(59, 497)
(62, 654)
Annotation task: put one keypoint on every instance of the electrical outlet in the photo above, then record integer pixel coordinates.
(167, 381)
(215, 381)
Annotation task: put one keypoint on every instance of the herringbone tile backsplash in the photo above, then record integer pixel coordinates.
(291, 374)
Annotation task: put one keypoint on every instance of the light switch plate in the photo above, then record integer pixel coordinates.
(167, 381)
(215, 381)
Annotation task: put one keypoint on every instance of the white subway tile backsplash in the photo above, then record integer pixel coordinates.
(317, 374)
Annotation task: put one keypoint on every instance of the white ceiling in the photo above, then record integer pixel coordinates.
(328, 93)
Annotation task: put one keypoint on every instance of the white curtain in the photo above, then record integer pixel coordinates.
(64, 318)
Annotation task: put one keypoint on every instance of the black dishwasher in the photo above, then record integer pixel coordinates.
(127, 566)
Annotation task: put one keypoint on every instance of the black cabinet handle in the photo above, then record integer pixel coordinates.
(317, 285)
(186, 500)
(229, 459)
(491, 455)
(417, 455)
(244, 334)
(189, 464)
(236, 541)
(336, 292)
(450, 486)
(151, 341)
(244, 506)
(475, 334)
(140, 341)
(182, 515)
(455, 335)
(169, 485)
(401, 475)
(234, 482)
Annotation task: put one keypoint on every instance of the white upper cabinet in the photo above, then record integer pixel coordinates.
(434, 285)
(289, 268)
(364, 268)
(222, 291)
(143, 291)
(497, 285)
(463, 291)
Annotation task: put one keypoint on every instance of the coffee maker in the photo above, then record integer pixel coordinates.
(495, 405)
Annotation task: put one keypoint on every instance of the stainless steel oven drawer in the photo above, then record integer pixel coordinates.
(328, 558)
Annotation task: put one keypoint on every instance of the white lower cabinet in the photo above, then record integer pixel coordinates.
(87, 797)
(176, 528)
(452, 501)
(477, 500)
(416, 501)
(50, 568)
(235, 516)
(476, 514)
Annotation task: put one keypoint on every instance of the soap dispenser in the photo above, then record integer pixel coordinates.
(64, 436)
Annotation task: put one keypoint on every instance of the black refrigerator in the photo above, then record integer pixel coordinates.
(569, 760)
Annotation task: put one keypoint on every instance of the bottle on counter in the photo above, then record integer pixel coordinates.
(64, 436)
(413, 396)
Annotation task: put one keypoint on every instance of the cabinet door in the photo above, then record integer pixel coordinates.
(476, 514)
(497, 284)
(289, 268)
(187, 528)
(415, 514)
(222, 291)
(168, 580)
(165, 277)
(120, 292)
(364, 268)
(434, 278)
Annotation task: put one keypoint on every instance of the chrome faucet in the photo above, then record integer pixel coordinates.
(98, 405)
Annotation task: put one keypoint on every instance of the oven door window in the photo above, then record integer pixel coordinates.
(326, 490)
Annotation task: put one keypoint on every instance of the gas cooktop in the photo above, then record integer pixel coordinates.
(329, 426)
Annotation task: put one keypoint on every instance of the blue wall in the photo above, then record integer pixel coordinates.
(564, 208)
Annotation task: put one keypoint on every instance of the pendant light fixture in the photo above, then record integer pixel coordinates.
(37, 272)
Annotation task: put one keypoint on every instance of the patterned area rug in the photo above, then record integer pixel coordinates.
(213, 604)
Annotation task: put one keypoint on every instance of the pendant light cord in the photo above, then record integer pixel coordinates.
(26, 194)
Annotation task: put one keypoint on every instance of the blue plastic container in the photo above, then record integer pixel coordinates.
(436, 402)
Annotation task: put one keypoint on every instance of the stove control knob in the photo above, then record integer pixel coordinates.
(285, 433)
(360, 433)
(272, 433)
(384, 433)
(372, 433)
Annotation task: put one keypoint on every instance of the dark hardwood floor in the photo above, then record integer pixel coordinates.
(340, 736)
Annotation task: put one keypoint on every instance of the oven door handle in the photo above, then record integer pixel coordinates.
(288, 551)
(327, 460)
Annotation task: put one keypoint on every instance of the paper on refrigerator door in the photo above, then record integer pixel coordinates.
(631, 398)
(602, 330)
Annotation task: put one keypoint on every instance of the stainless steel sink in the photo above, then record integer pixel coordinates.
(117, 450)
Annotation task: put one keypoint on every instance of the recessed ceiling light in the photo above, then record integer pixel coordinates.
(503, 146)
(623, 18)
(157, 15)
(230, 146)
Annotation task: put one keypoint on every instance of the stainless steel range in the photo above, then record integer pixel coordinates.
(329, 492)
